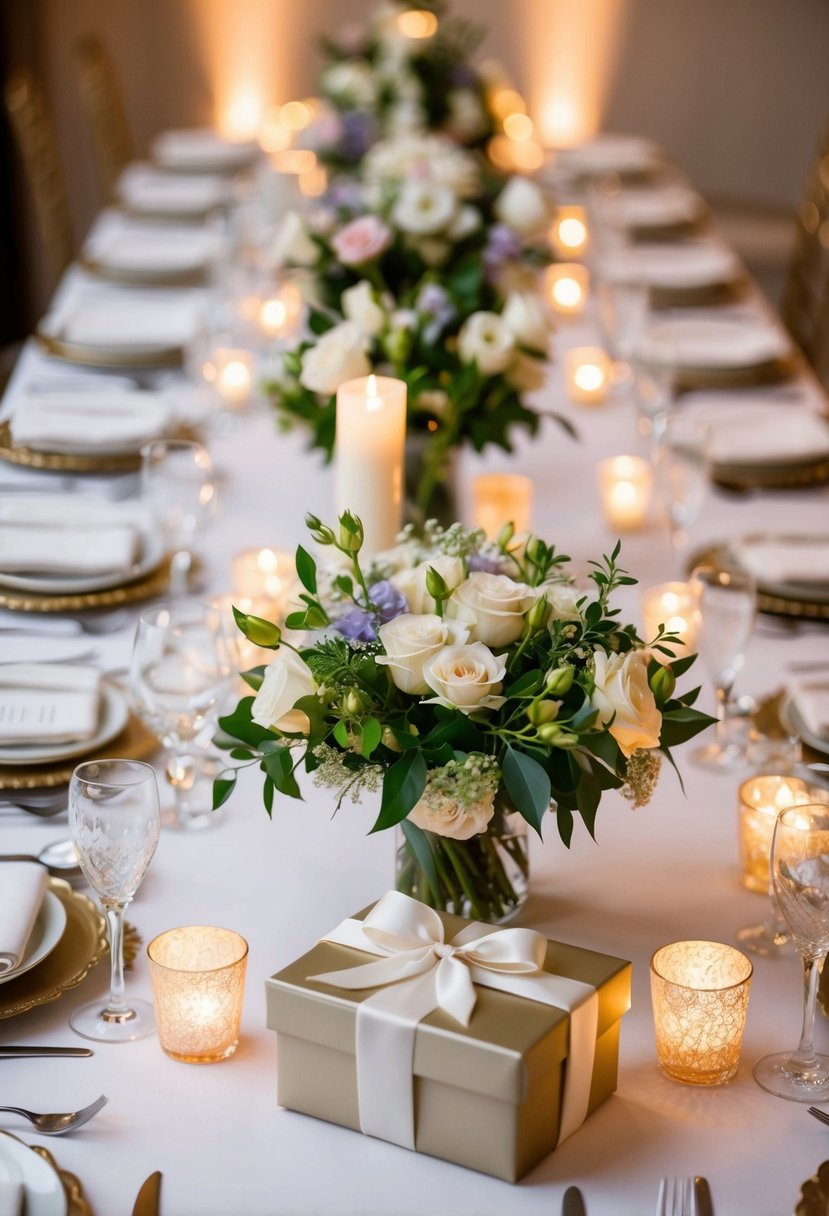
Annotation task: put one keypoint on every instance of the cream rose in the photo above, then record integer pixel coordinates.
(412, 583)
(466, 677)
(360, 306)
(448, 817)
(286, 679)
(340, 354)
(563, 600)
(424, 208)
(527, 320)
(522, 206)
(410, 641)
(622, 689)
(292, 245)
(492, 606)
(485, 340)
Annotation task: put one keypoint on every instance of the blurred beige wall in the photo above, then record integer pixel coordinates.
(736, 90)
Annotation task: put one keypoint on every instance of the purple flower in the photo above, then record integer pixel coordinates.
(359, 133)
(434, 301)
(387, 600)
(357, 626)
(503, 245)
(488, 565)
(462, 76)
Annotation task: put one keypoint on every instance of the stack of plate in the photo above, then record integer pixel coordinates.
(709, 352)
(46, 1189)
(201, 150)
(121, 328)
(143, 190)
(681, 274)
(166, 255)
(791, 570)
(766, 444)
(626, 155)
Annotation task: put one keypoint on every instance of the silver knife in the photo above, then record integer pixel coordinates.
(702, 1193)
(147, 1199)
(16, 1053)
(573, 1204)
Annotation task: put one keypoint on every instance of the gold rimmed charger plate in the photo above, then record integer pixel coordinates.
(78, 462)
(788, 475)
(102, 356)
(83, 945)
(768, 717)
(725, 292)
(152, 584)
(814, 1194)
(135, 742)
(144, 278)
(773, 602)
(770, 372)
(76, 1204)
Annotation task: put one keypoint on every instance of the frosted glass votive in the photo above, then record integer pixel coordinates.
(625, 485)
(499, 498)
(587, 374)
(566, 287)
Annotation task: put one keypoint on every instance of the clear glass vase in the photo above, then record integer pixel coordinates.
(484, 878)
(430, 481)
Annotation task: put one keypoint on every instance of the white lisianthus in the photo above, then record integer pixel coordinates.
(410, 641)
(521, 205)
(360, 305)
(423, 156)
(292, 244)
(412, 583)
(286, 680)
(492, 606)
(527, 320)
(338, 355)
(622, 689)
(350, 80)
(466, 677)
(450, 817)
(424, 208)
(467, 221)
(484, 339)
(526, 373)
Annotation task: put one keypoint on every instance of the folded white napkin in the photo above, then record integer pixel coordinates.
(812, 703)
(767, 435)
(187, 149)
(66, 534)
(609, 154)
(21, 894)
(143, 188)
(48, 703)
(714, 344)
(658, 206)
(697, 264)
(135, 322)
(11, 1198)
(784, 559)
(80, 421)
(179, 252)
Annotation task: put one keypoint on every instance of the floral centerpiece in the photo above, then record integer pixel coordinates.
(426, 277)
(404, 71)
(474, 686)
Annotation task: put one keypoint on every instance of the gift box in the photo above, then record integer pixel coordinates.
(491, 1095)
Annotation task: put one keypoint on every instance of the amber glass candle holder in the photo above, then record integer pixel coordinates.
(699, 992)
(198, 980)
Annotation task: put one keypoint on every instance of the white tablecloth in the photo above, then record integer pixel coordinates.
(659, 874)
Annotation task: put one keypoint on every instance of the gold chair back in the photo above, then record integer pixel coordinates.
(36, 139)
(806, 294)
(104, 108)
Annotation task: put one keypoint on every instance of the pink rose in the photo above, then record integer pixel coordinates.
(361, 240)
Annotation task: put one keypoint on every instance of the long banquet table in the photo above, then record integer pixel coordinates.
(663, 873)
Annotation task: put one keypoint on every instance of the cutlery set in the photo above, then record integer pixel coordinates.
(679, 1195)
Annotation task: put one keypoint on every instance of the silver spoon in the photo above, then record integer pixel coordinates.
(56, 1125)
(59, 858)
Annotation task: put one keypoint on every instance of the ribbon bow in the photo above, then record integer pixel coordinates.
(419, 972)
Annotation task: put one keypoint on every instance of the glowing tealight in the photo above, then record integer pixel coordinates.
(587, 372)
(567, 285)
(416, 23)
(569, 234)
(625, 484)
(519, 126)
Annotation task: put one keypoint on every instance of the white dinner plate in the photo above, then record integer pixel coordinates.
(202, 150)
(113, 714)
(708, 344)
(46, 933)
(694, 264)
(658, 207)
(816, 591)
(792, 721)
(92, 329)
(609, 154)
(43, 1193)
(153, 551)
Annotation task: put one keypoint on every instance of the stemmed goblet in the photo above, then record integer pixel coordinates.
(680, 468)
(800, 872)
(726, 602)
(114, 820)
(178, 485)
(182, 668)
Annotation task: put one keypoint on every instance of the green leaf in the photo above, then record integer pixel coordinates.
(372, 733)
(223, 787)
(680, 725)
(267, 796)
(564, 818)
(418, 845)
(403, 786)
(527, 785)
(680, 666)
(306, 569)
(526, 685)
(254, 677)
(240, 725)
(341, 734)
(279, 766)
(242, 753)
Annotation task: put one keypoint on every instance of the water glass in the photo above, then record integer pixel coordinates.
(622, 305)
(179, 487)
(681, 464)
(726, 602)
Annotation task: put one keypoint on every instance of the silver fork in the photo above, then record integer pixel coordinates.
(57, 1124)
(676, 1196)
(822, 1116)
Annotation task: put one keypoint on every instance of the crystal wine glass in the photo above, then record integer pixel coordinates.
(680, 467)
(622, 304)
(178, 485)
(182, 668)
(800, 871)
(114, 820)
(726, 602)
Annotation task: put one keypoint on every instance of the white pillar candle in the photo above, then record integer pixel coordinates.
(500, 498)
(233, 376)
(567, 285)
(569, 234)
(587, 372)
(370, 437)
(671, 605)
(625, 484)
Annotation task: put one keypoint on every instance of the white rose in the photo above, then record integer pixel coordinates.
(527, 320)
(410, 641)
(292, 244)
(286, 679)
(466, 677)
(622, 689)
(340, 354)
(485, 339)
(563, 599)
(448, 817)
(412, 583)
(424, 208)
(360, 306)
(522, 206)
(492, 606)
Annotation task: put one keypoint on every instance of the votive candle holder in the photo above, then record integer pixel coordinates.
(499, 498)
(760, 801)
(625, 485)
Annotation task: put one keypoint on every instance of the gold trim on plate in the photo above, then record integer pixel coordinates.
(77, 1204)
(144, 278)
(99, 356)
(814, 1194)
(135, 742)
(153, 583)
(767, 601)
(80, 462)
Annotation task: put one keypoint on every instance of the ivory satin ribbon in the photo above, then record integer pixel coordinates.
(419, 972)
